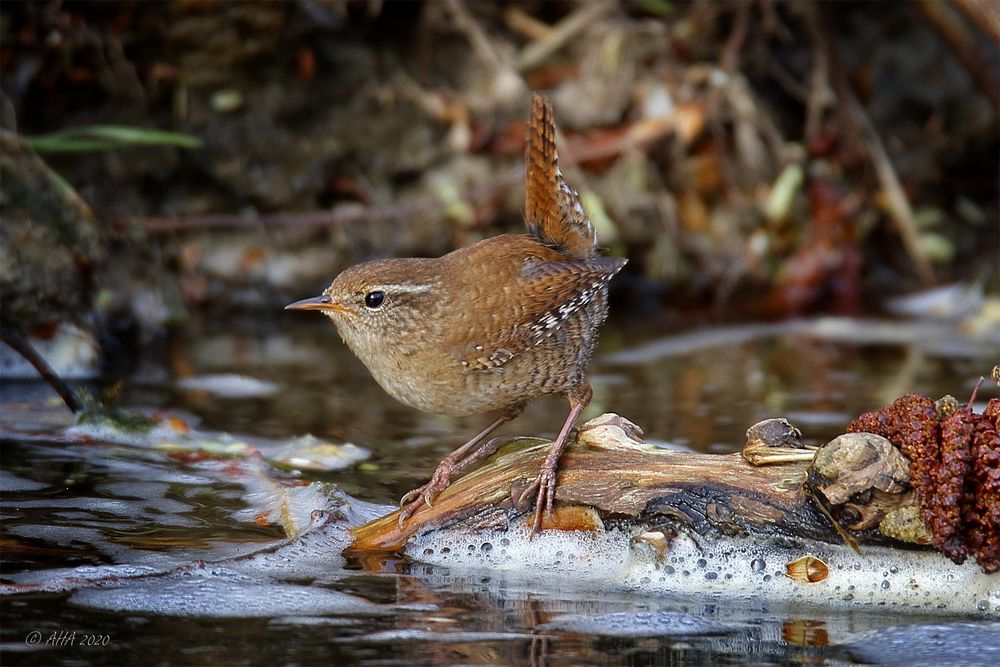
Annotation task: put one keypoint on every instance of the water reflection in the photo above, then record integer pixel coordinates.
(67, 504)
(702, 395)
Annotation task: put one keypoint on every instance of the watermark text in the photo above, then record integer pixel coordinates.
(64, 638)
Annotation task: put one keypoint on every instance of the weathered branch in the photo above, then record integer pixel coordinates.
(610, 475)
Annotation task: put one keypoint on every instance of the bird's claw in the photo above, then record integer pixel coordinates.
(410, 495)
(525, 496)
(544, 490)
(422, 495)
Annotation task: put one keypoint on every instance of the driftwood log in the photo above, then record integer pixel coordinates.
(611, 477)
(837, 525)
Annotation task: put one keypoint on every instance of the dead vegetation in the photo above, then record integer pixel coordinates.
(807, 155)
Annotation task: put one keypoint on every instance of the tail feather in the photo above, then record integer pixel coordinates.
(552, 209)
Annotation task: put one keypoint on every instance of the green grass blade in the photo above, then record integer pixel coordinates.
(109, 137)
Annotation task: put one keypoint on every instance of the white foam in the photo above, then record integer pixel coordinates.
(229, 385)
(401, 637)
(304, 452)
(580, 554)
(722, 569)
(314, 554)
(223, 595)
(67, 579)
(110, 511)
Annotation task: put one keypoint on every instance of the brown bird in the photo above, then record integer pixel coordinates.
(487, 327)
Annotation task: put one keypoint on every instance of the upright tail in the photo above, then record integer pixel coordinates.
(552, 209)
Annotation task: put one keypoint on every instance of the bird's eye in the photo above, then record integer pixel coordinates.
(374, 299)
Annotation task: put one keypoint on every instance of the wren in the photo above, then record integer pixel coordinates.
(490, 326)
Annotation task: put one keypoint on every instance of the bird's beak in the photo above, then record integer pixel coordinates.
(316, 303)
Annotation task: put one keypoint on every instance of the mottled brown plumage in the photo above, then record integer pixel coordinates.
(552, 209)
(487, 327)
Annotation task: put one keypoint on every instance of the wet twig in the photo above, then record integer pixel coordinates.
(17, 342)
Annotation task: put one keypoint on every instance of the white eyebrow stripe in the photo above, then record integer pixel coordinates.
(405, 289)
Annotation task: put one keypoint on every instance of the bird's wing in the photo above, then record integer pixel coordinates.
(546, 296)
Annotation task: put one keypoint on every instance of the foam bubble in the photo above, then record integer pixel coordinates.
(313, 554)
(724, 569)
(67, 579)
(556, 551)
(915, 579)
(224, 596)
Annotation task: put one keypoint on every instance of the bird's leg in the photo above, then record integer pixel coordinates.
(17, 342)
(457, 461)
(544, 486)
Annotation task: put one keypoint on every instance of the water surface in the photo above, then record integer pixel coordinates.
(72, 504)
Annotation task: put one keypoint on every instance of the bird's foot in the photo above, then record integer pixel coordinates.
(544, 491)
(425, 495)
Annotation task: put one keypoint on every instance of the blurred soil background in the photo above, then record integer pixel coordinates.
(754, 160)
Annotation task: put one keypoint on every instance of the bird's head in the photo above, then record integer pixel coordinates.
(379, 303)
